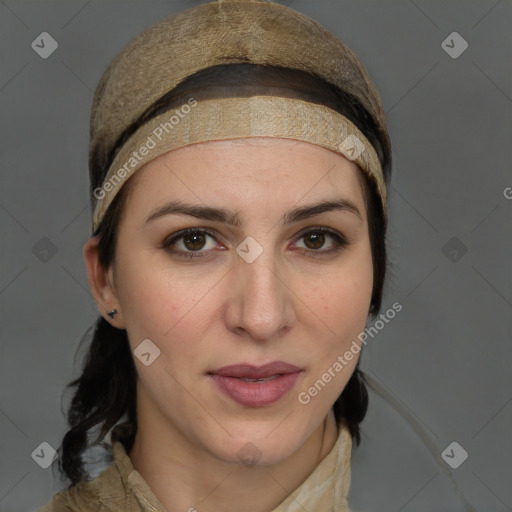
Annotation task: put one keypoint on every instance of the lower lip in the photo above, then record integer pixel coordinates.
(256, 394)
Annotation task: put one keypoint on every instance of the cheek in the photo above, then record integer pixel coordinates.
(145, 296)
(344, 302)
(345, 299)
(344, 310)
(165, 305)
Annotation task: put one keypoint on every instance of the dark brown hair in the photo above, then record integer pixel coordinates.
(105, 392)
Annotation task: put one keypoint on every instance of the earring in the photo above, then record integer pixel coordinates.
(112, 313)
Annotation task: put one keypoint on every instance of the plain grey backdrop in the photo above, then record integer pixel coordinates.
(443, 361)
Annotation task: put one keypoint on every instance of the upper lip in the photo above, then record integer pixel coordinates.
(249, 371)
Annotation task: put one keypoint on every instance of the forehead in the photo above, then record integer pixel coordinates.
(250, 166)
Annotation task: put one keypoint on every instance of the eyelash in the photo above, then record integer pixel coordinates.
(338, 239)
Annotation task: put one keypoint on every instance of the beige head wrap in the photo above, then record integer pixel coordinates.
(223, 32)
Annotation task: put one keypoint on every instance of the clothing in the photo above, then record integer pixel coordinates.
(121, 488)
(130, 126)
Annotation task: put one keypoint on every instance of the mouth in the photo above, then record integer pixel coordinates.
(256, 386)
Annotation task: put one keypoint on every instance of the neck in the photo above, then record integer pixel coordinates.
(185, 477)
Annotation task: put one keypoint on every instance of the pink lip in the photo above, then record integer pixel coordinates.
(256, 394)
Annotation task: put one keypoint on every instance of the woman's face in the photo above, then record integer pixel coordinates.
(268, 275)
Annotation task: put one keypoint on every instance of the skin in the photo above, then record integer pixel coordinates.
(207, 312)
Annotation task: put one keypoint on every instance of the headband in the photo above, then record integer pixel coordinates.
(223, 32)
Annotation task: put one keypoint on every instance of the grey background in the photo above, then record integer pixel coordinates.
(444, 360)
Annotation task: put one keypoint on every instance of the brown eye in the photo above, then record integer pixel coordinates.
(321, 241)
(314, 240)
(191, 242)
(194, 241)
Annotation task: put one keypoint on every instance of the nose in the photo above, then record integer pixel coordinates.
(260, 303)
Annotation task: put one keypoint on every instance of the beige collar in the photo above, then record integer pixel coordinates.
(121, 487)
(325, 489)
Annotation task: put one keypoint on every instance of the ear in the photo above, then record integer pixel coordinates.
(101, 283)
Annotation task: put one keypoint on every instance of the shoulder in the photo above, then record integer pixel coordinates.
(105, 493)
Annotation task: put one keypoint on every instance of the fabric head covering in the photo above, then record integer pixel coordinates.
(226, 32)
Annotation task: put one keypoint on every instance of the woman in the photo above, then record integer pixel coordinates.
(239, 159)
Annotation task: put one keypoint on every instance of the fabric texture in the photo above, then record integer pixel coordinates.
(233, 118)
(120, 488)
(224, 32)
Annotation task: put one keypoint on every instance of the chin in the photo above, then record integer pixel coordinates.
(258, 444)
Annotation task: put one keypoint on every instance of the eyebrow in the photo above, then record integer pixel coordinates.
(233, 218)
